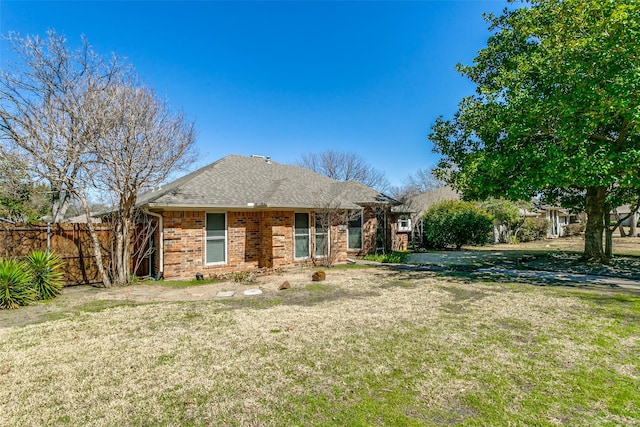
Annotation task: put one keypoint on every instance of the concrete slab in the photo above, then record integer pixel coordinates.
(225, 294)
(252, 292)
(567, 277)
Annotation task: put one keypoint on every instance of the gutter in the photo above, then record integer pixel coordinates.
(160, 240)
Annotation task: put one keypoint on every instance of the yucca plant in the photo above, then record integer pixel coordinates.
(16, 284)
(47, 277)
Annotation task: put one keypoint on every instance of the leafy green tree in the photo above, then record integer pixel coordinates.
(556, 109)
(506, 213)
(456, 223)
(21, 199)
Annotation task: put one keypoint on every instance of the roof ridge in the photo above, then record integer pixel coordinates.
(164, 189)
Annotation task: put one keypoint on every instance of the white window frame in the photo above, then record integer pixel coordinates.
(296, 235)
(325, 232)
(361, 212)
(207, 238)
(402, 228)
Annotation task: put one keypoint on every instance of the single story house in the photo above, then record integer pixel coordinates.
(411, 211)
(247, 213)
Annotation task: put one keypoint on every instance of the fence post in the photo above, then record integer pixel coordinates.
(48, 237)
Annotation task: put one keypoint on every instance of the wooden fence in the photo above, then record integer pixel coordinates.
(71, 242)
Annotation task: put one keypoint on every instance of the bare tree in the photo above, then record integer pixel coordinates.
(90, 128)
(330, 228)
(46, 108)
(140, 142)
(344, 166)
(326, 235)
(422, 181)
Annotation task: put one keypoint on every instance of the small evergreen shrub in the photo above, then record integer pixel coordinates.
(393, 258)
(16, 284)
(533, 229)
(243, 277)
(574, 229)
(45, 270)
(456, 223)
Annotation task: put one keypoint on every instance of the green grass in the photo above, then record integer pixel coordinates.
(347, 267)
(380, 348)
(394, 257)
(181, 284)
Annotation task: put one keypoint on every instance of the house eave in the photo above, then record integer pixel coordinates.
(247, 207)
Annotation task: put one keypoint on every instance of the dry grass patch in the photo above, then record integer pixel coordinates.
(368, 350)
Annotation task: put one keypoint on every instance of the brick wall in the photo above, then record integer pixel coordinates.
(244, 240)
(400, 241)
(183, 244)
(255, 240)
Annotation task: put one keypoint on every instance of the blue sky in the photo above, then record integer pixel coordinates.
(287, 78)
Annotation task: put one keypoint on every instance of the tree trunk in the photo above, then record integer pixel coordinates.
(97, 247)
(122, 243)
(633, 232)
(59, 204)
(608, 233)
(595, 224)
(620, 221)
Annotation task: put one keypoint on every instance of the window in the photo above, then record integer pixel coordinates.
(404, 224)
(355, 232)
(301, 235)
(216, 240)
(322, 235)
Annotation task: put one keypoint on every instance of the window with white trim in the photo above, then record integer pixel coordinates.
(301, 240)
(216, 239)
(354, 232)
(404, 224)
(321, 235)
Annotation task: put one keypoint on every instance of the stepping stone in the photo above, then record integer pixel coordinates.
(252, 292)
(225, 294)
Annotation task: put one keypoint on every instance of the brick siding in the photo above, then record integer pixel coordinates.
(255, 240)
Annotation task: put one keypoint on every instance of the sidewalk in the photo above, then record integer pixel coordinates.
(618, 282)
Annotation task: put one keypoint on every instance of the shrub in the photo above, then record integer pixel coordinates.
(456, 223)
(243, 277)
(45, 270)
(16, 284)
(393, 258)
(507, 216)
(533, 229)
(575, 229)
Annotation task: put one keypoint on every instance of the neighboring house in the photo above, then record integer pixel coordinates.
(557, 217)
(414, 208)
(96, 218)
(623, 216)
(248, 213)
(409, 223)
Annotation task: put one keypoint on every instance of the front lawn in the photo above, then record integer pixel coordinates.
(368, 347)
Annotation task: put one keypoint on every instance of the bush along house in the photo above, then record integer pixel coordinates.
(250, 213)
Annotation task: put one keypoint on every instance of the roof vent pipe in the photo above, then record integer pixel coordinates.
(265, 158)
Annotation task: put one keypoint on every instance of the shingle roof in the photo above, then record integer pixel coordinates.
(239, 181)
(422, 202)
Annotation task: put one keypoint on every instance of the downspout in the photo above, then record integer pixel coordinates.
(160, 241)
